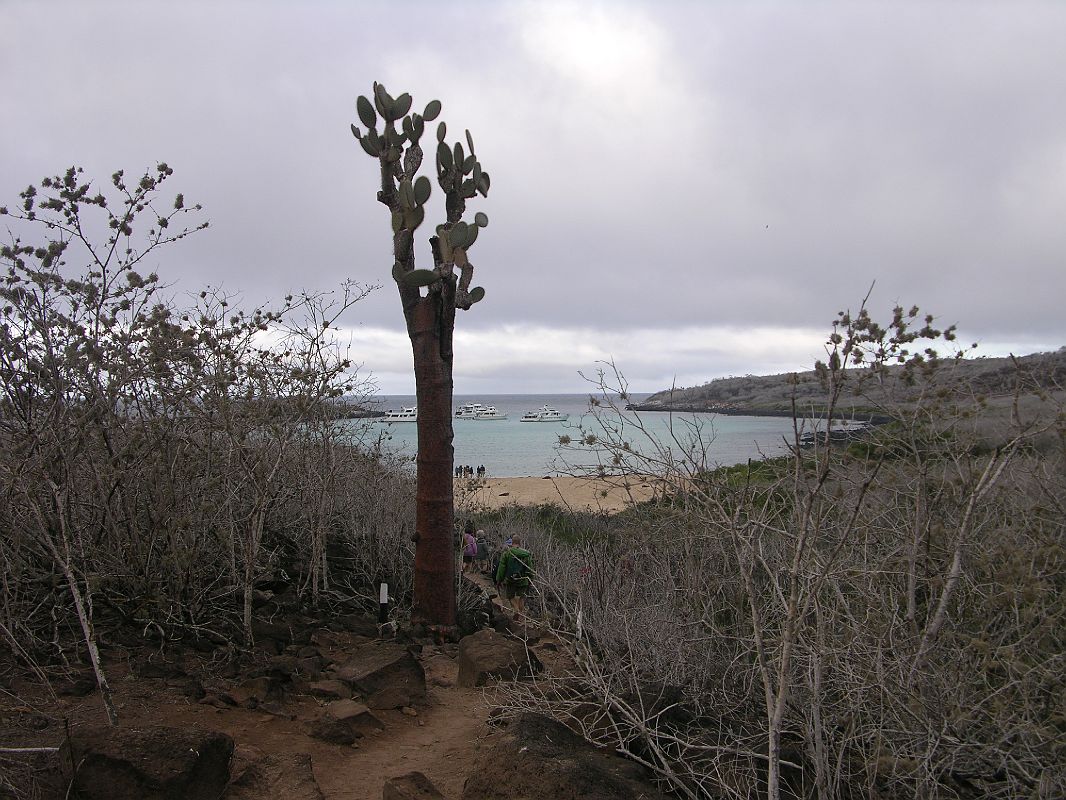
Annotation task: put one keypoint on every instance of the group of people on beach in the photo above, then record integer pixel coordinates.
(467, 471)
(508, 565)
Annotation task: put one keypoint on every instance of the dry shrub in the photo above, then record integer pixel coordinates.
(881, 618)
(160, 463)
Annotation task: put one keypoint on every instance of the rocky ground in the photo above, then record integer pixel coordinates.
(342, 711)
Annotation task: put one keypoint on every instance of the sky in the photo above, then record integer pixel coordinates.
(685, 190)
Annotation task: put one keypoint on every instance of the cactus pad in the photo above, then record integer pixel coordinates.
(366, 112)
(444, 156)
(421, 277)
(370, 148)
(401, 106)
(422, 189)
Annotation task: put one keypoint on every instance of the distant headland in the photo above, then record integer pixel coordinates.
(777, 395)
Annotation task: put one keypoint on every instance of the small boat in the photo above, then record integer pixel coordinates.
(545, 414)
(489, 412)
(406, 414)
(468, 410)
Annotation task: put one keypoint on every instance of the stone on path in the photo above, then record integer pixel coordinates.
(330, 690)
(276, 776)
(344, 721)
(488, 655)
(387, 675)
(391, 697)
(254, 692)
(412, 786)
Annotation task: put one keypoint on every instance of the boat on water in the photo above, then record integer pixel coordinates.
(544, 414)
(406, 414)
(468, 410)
(489, 412)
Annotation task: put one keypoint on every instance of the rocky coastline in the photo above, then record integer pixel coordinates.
(740, 411)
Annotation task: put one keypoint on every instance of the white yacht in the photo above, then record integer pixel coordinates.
(468, 410)
(489, 412)
(406, 414)
(545, 414)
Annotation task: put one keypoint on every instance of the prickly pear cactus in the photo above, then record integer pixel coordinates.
(390, 132)
(393, 136)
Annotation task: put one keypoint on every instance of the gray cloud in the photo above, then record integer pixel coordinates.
(655, 166)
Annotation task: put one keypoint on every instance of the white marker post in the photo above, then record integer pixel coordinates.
(383, 603)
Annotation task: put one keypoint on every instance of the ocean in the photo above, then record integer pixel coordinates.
(510, 448)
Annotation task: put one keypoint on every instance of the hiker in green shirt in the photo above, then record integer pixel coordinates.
(515, 574)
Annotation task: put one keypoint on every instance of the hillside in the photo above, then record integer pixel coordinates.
(772, 394)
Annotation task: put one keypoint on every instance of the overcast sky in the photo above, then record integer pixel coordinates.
(692, 189)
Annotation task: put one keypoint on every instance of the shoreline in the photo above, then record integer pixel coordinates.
(872, 417)
(566, 491)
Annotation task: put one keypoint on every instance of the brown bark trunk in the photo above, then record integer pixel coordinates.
(434, 575)
(430, 324)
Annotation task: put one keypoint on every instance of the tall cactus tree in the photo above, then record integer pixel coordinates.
(429, 298)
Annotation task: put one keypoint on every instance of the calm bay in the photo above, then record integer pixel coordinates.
(511, 448)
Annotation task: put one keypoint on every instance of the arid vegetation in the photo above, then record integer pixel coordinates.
(882, 619)
(161, 461)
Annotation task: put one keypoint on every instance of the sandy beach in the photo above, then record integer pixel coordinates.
(579, 494)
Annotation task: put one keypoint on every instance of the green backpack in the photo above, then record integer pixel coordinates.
(519, 569)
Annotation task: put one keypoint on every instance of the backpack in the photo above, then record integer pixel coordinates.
(518, 567)
(471, 546)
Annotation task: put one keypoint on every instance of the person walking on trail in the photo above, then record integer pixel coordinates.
(515, 573)
(469, 547)
(494, 565)
(481, 559)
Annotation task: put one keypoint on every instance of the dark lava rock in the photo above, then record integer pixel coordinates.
(412, 786)
(546, 761)
(387, 675)
(276, 776)
(344, 721)
(153, 763)
(488, 655)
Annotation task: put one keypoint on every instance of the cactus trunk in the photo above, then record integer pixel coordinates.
(434, 578)
(430, 319)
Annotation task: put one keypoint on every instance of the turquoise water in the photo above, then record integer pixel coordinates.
(509, 448)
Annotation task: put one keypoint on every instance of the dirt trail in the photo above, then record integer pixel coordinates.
(441, 741)
(442, 747)
(440, 738)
